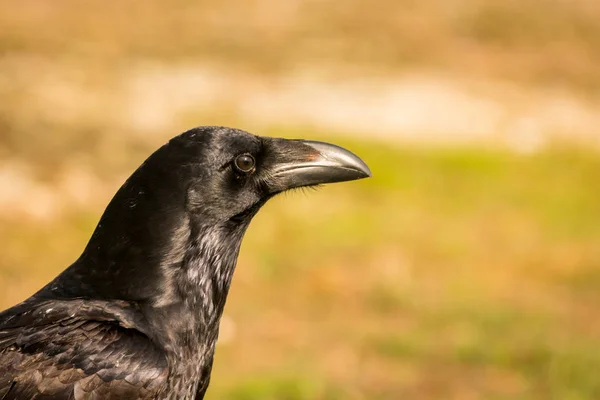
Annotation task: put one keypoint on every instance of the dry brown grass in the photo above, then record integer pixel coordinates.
(532, 41)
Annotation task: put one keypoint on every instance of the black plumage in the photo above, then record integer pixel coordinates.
(136, 316)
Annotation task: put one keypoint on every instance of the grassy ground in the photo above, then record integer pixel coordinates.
(452, 274)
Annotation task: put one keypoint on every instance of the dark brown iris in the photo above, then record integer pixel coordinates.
(244, 163)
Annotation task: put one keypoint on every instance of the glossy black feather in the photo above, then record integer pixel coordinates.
(77, 349)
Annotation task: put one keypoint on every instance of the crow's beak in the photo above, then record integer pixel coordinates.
(299, 163)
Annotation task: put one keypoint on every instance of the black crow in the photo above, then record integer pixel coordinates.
(137, 315)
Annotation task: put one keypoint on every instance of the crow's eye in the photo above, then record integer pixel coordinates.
(244, 163)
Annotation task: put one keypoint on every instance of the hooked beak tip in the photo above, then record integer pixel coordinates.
(337, 157)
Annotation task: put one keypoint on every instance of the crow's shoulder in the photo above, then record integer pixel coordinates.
(78, 349)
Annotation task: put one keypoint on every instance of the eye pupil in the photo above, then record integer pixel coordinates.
(244, 162)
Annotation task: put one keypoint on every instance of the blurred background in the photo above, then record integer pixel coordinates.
(468, 267)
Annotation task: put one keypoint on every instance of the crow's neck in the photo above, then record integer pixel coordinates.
(191, 305)
(200, 280)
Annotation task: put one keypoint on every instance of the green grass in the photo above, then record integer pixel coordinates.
(452, 272)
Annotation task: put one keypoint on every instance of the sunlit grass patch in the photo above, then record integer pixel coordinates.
(291, 387)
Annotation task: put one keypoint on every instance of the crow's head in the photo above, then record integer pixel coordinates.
(190, 202)
(228, 174)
